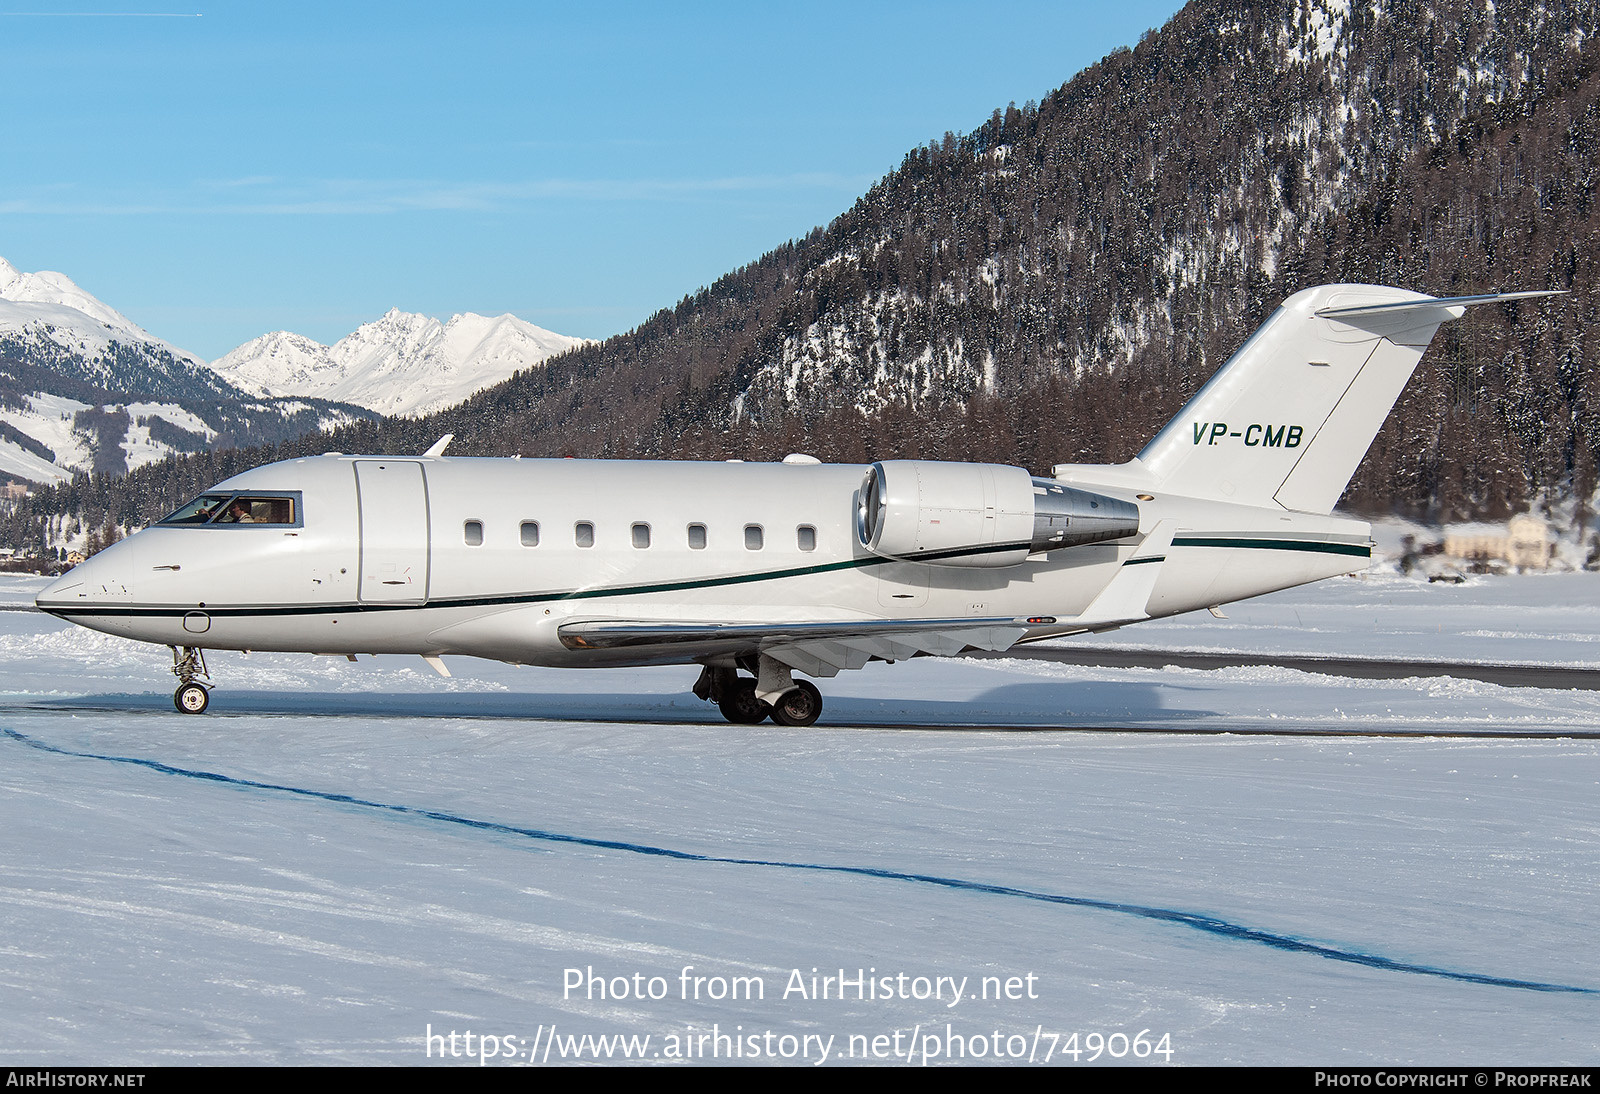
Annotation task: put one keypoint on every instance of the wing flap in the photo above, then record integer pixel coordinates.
(815, 648)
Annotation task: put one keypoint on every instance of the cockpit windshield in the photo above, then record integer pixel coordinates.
(215, 509)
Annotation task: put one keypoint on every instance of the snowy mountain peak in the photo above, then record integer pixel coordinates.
(49, 291)
(406, 332)
(401, 363)
(278, 360)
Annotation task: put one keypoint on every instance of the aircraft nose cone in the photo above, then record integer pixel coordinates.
(59, 590)
(107, 578)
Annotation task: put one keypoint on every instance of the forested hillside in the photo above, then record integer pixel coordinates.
(1052, 285)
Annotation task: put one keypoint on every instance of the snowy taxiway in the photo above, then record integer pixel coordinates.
(342, 858)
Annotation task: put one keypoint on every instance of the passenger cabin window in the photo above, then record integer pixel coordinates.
(583, 534)
(214, 509)
(806, 537)
(530, 533)
(472, 532)
(697, 537)
(752, 537)
(641, 536)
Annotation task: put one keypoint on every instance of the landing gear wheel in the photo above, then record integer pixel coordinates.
(799, 707)
(189, 666)
(191, 699)
(740, 705)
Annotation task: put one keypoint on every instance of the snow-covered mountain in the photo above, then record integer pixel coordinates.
(48, 321)
(84, 388)
(401, 364)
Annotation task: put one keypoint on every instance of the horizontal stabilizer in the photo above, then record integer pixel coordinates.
(1435, 302)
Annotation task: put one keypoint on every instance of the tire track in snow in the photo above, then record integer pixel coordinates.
(1193, 920)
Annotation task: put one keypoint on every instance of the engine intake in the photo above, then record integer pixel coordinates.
(979, 514)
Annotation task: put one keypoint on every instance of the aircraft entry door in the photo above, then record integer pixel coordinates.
(394, 531)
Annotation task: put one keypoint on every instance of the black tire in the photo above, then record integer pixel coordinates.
(191, 699)
(800, 707)
(739, 703)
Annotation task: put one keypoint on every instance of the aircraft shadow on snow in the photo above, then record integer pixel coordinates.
(1041, 704)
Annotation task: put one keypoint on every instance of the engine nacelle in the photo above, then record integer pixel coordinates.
(979, 514)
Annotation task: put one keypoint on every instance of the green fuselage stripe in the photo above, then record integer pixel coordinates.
(1361, 550)
(514, 599)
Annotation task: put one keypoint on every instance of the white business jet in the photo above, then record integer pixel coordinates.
(757, 572)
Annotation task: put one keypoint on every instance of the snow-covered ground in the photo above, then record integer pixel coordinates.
(1545, 619)
(342, 857)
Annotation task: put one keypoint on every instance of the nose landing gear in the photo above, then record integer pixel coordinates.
(194, 682)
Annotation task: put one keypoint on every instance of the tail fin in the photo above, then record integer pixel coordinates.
(1291, 414)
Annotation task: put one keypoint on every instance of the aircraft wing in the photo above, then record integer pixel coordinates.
(816, 649)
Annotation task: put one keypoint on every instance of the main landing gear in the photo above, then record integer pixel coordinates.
(735, 695)
(800, 707)
(194, 682)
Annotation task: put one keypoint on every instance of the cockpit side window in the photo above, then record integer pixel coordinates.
(282, 510)
(199, 511)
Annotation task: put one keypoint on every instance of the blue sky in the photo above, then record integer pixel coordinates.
(299, 166)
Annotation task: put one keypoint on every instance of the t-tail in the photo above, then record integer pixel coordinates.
(1288, 418)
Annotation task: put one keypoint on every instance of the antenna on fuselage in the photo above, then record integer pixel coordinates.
(440, 445)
